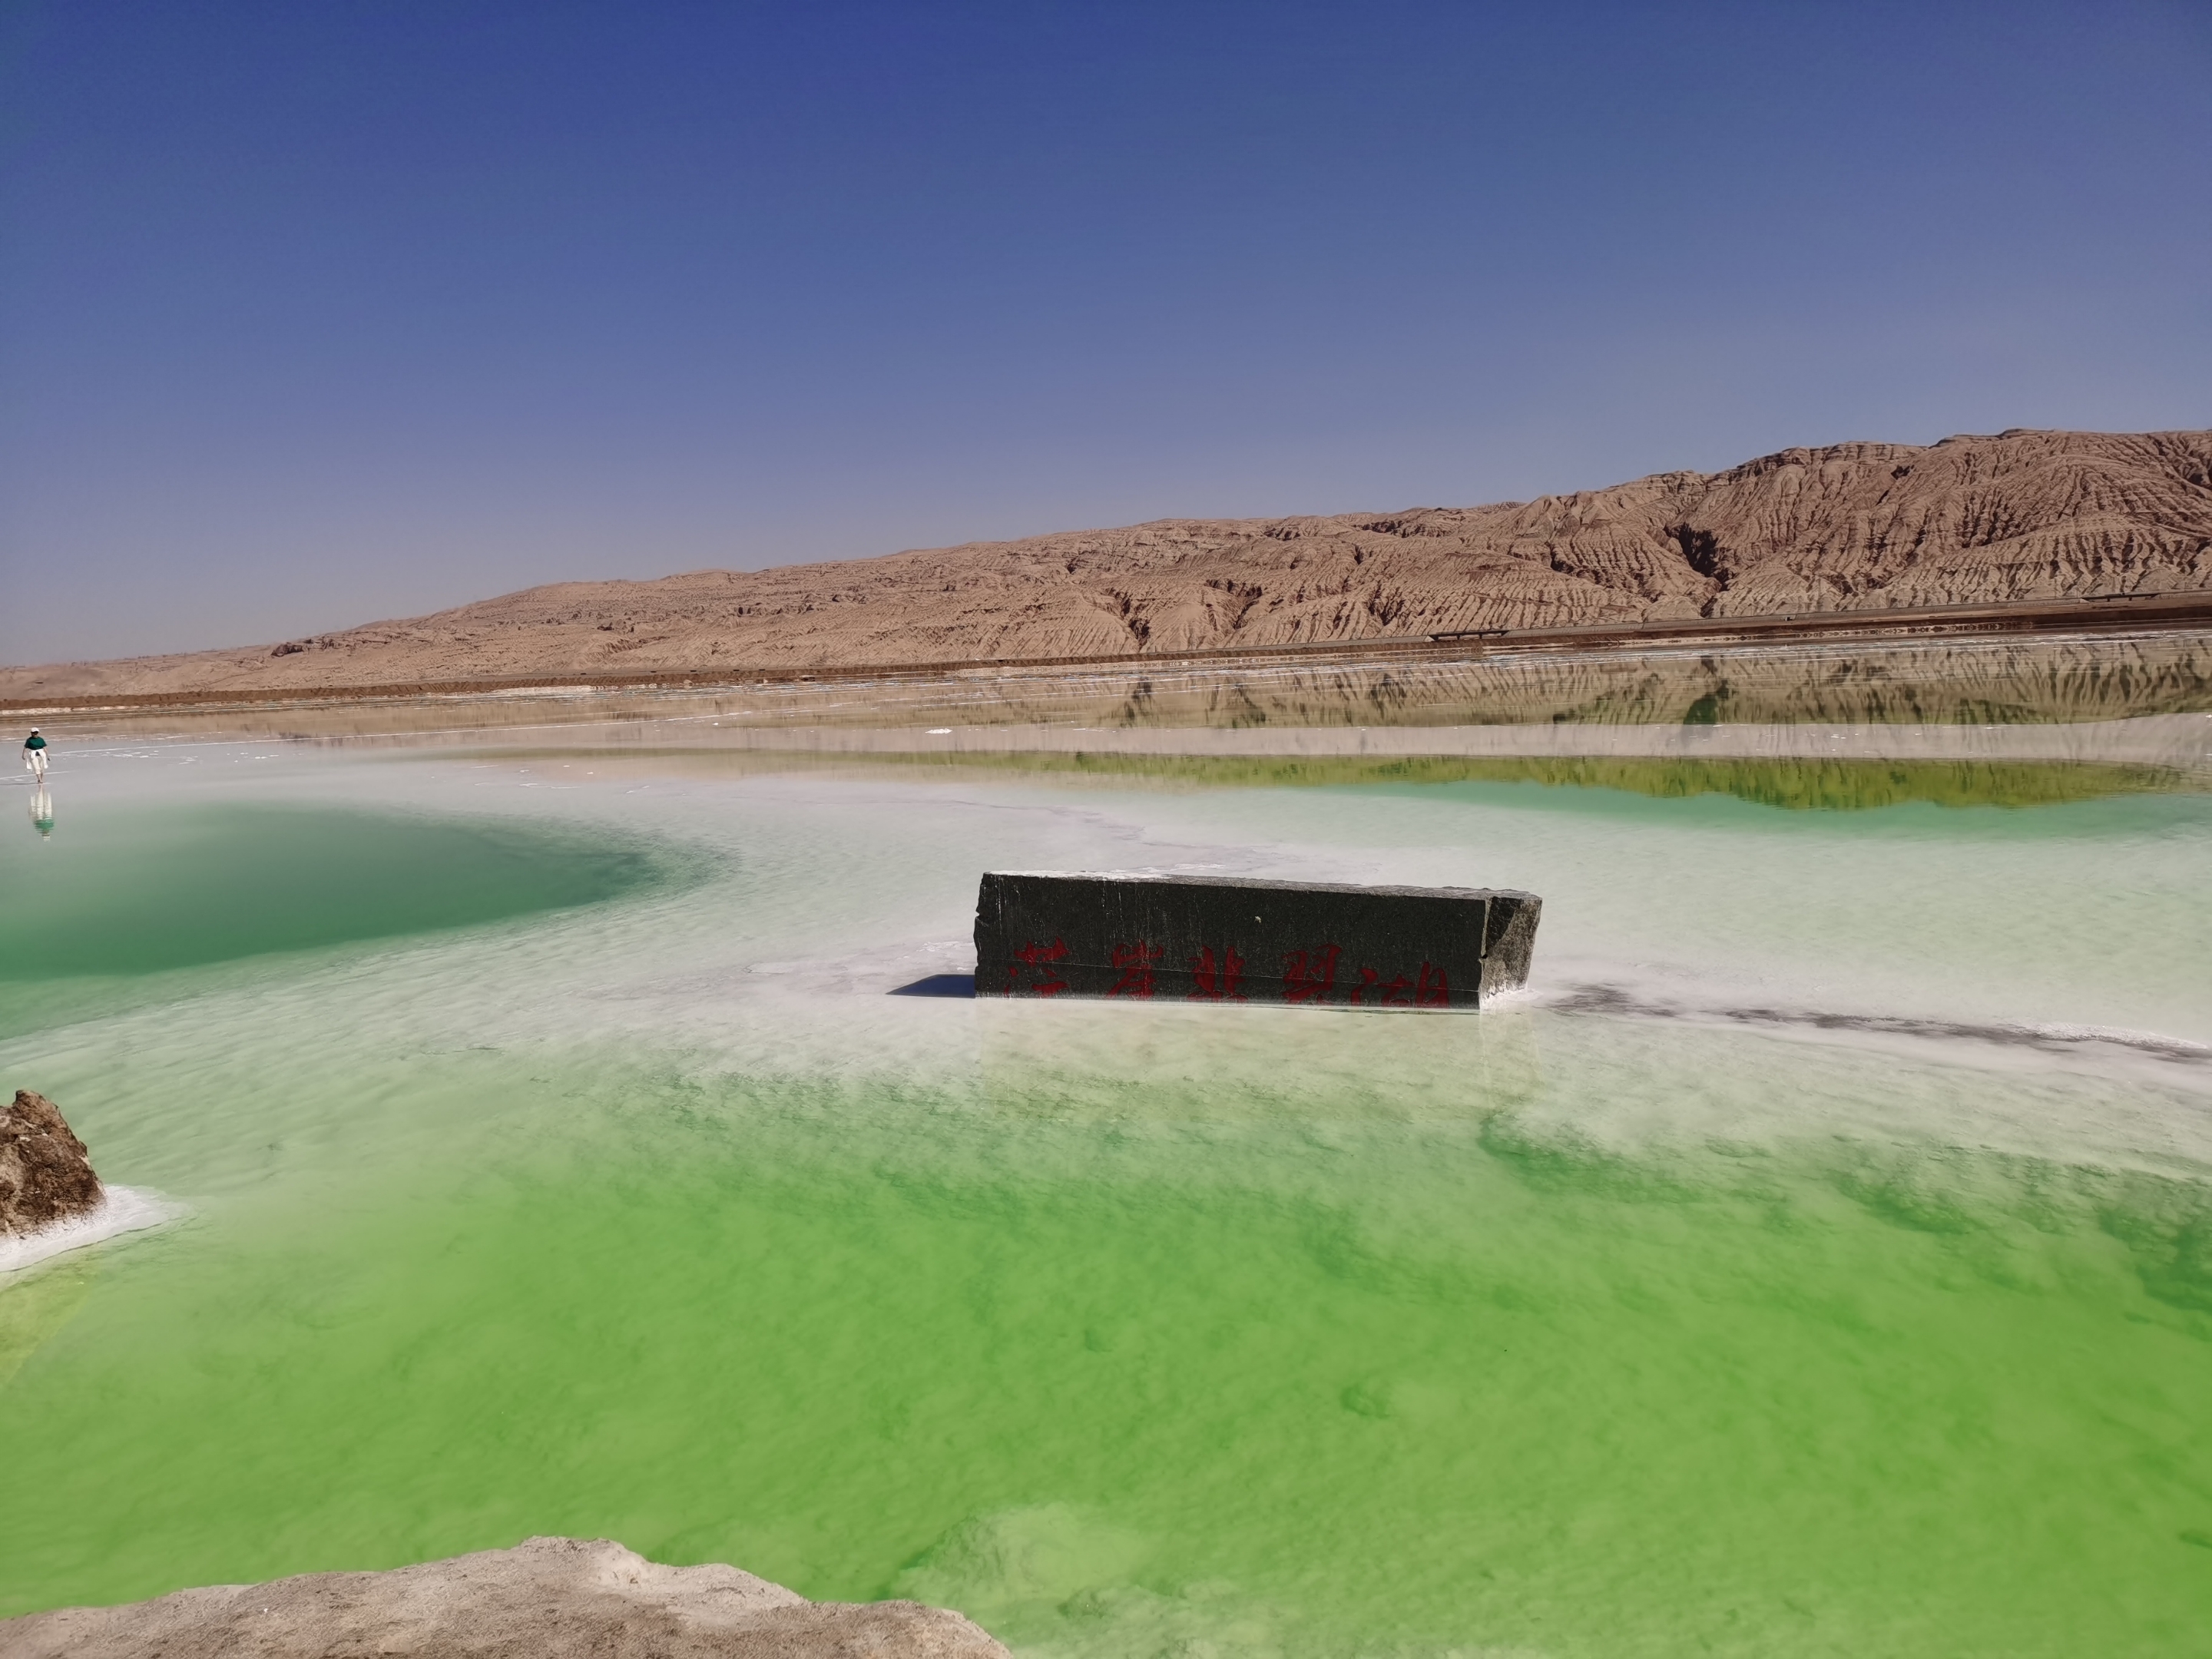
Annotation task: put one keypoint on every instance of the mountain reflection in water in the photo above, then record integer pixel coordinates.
(1990, 682)
(1989, 723)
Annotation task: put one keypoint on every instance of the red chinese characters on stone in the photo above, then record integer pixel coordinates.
(1432, 990)
(1308, 976)
(1217, 980)
(1047, 982)
(1135, 963)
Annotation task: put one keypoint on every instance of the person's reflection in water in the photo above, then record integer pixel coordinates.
(42, 811)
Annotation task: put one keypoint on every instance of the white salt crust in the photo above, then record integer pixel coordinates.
(122, 1210)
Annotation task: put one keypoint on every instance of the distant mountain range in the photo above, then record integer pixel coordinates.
(2020, 516)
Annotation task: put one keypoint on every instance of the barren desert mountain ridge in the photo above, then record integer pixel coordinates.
(2021, 516)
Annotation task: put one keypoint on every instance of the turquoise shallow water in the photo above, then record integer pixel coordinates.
(137, 892)
(1819, 1260)
(132, 892)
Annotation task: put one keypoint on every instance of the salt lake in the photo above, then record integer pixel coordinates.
(1817, 1259)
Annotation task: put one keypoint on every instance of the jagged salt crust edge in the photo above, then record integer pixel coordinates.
(121, 1210)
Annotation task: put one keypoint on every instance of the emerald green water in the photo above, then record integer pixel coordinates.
(635, 1210)
(138, 892)
(141, 891)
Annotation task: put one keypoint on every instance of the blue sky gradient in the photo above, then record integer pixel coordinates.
(316, 314)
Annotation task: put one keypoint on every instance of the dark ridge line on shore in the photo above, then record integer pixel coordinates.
(2116, 612)
(1613, 1000)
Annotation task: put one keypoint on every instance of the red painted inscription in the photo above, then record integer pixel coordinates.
(1047, 982)
(1308, 976)
(1217, 980)
(1136, 963)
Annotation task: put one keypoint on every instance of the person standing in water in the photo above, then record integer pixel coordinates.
(34, 754)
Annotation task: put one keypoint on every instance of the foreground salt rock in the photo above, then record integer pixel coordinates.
(547, 1598)
(45, 1175)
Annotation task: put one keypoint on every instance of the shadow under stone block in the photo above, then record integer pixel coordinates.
(938, 985)
(1204, 938)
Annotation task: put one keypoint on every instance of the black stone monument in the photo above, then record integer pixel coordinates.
(1208, 940)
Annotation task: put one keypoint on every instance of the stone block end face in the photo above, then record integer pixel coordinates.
(1510, 941)
(1204, 940)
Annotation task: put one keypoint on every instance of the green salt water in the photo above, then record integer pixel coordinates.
(1818, 1261)
(135, 893)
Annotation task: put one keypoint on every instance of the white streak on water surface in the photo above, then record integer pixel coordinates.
(121, 1210)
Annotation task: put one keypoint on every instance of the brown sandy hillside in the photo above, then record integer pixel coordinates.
(2023, 515)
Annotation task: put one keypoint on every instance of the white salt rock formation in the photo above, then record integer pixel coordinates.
(548, 1598)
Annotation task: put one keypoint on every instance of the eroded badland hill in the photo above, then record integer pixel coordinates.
(2020, 516)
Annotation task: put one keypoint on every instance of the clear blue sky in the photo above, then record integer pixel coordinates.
(312, 313)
